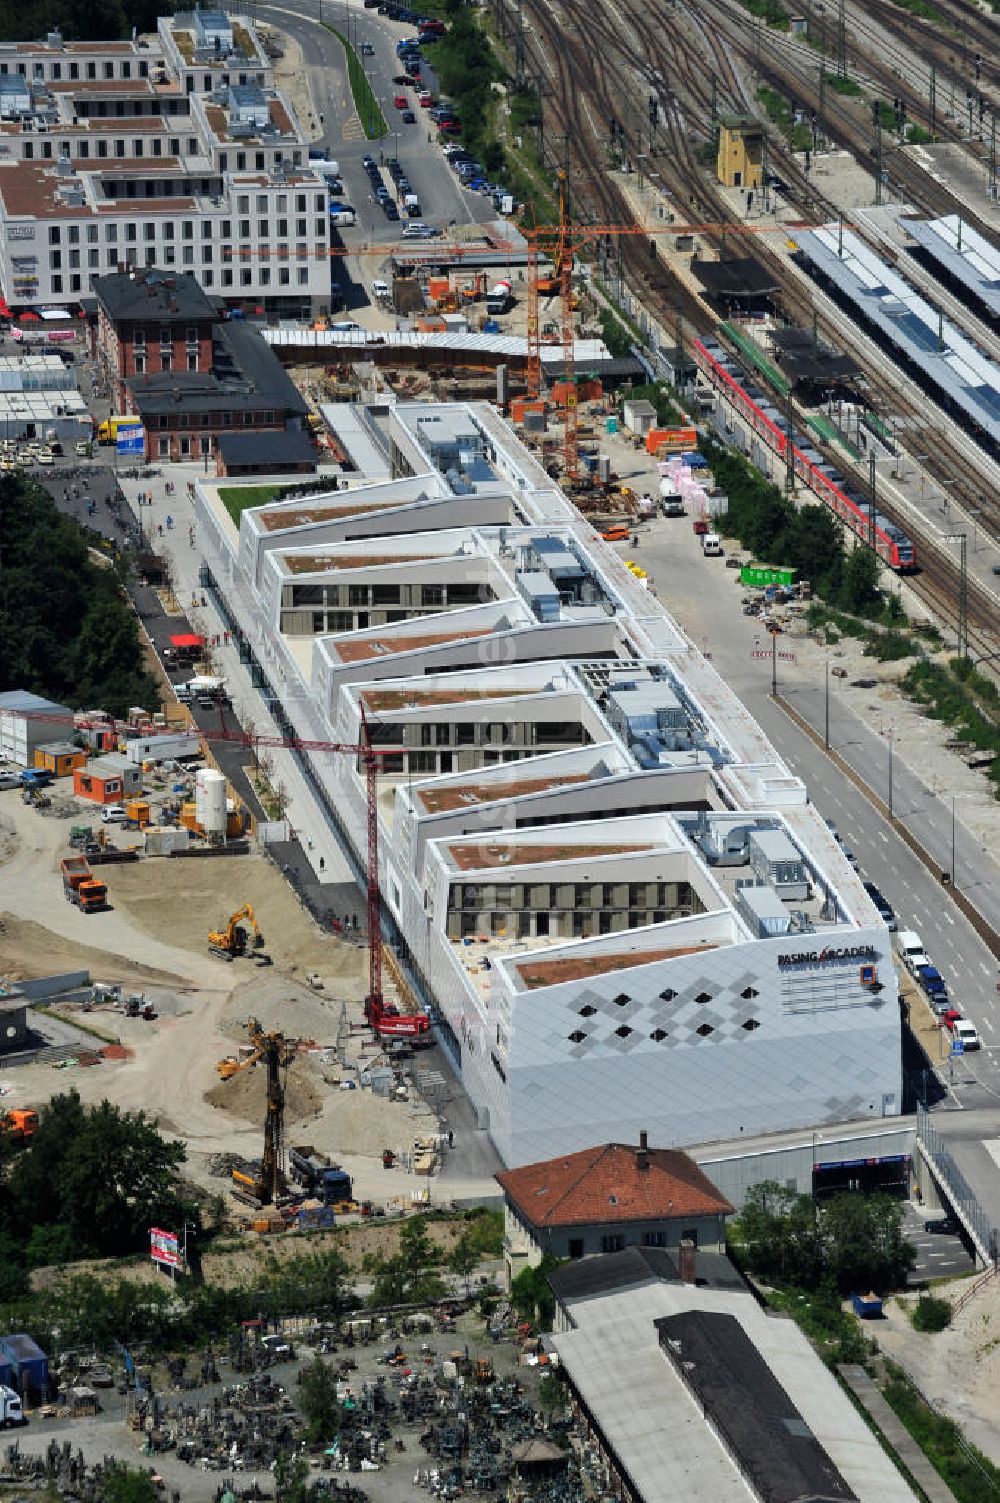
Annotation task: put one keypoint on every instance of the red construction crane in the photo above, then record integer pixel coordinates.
(560, 242)
(385, 1018)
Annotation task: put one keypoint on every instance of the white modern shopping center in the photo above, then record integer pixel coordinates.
(615, 898)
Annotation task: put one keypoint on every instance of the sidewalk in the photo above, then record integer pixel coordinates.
(906, 1448)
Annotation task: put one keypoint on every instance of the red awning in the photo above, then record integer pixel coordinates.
(187, 640)
(30, 318)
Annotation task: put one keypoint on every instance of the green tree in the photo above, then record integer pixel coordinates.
(463, 1260)
(412, 1274)
(863, 1244)
(860, 588)
(931, 1314)
(551, 1395)
(531, 1296)
(104, 1175)
(776, 1236)
(484, 1232)
(317, 1385)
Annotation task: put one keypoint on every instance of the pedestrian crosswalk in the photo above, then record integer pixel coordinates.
(352, 129)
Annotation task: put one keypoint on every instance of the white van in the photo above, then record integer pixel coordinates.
(965, 1031)
(711, 545)
(911, 950)
(380, 290)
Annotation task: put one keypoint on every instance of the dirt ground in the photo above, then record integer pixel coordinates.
(29, 949)
(234, 1264)
(182, 900)
(957, 1369)
(155, 938)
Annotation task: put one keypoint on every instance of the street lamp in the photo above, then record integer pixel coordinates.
(826, 717)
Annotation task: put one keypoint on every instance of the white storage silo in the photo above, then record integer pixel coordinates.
(210, 801)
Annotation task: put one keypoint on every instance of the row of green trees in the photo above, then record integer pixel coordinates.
(808, 539)
(67, 629)
(467, 68)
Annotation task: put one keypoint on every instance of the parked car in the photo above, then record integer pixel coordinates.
(966, 1033)
(932, 981)
(883, 908)
(113, 814)
(390, 210)
(944, 1225)
(950, 1018)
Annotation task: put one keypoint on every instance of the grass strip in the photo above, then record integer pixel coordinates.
(373, 121)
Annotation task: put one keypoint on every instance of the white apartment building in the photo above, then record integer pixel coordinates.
(615, 898)
(173, 150)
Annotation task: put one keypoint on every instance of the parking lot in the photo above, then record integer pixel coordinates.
(940, 1255)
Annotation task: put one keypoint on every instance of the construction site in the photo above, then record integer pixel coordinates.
(238, 1039)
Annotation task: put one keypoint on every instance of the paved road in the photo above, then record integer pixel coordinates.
(442, 198)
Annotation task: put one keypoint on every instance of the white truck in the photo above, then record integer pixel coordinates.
(911, 950)
(202, 683)
(671, 502)
(500, 298)
(11, 1412)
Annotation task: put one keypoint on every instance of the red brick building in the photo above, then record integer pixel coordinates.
(150, 322)
(190, 374)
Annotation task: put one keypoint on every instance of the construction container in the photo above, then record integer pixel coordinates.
(60, 758)
(137, 812)
(671, 440)
(759, 576)
(521, 406)
(188, 817)
(163, 841)
(30, 1364)
(108, 780)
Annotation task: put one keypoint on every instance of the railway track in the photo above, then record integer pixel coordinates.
(591, 42)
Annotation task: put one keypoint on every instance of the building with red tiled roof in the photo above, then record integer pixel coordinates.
(604, 1199)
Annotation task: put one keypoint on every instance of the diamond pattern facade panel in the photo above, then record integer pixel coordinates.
(576, 1081)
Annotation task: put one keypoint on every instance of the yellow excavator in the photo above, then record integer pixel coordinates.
(276, 1051)
(241, 936)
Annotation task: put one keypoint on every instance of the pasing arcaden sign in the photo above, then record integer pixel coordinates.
(829, 956)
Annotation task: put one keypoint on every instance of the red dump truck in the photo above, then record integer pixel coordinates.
(81, 886)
